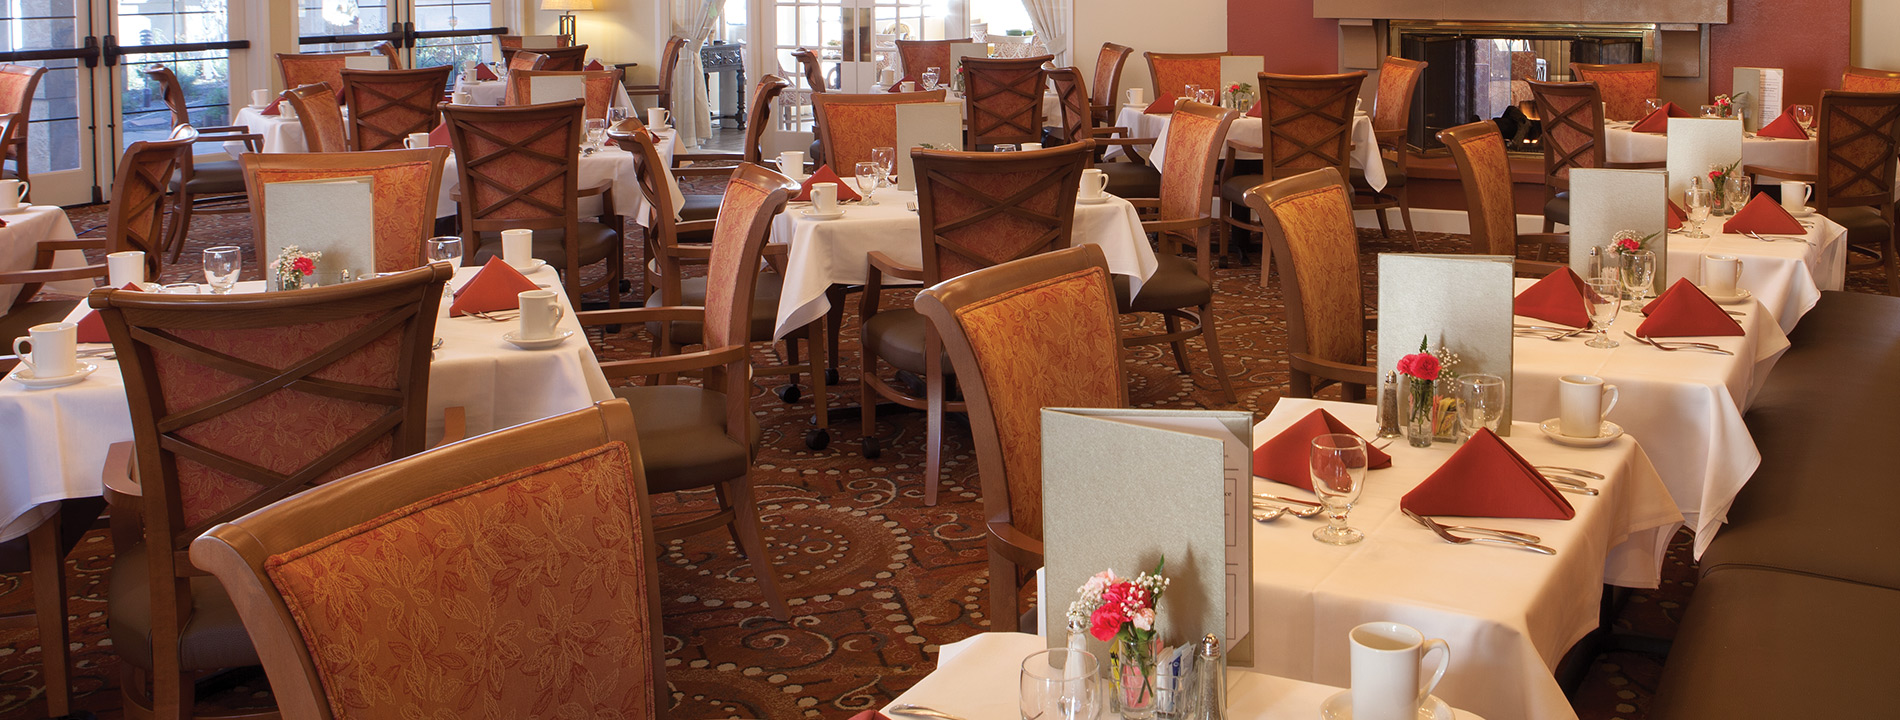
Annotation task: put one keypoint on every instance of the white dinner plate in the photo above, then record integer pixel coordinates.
(1803, 212)
(1553, 429)
(1093, 201)
(815, 215)
(533, 265)
(514, 336)
(1339, 707)
(1741, 296)
(24, 375)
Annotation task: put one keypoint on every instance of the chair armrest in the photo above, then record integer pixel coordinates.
(1014, 544)
(708, 157)
(1559, 239)
(454, 425)
(673, 364)
(1353, 374)
(123, 496)
(76, 244)
(45, 275)
(880, 265)
(630, 316)
(1781, 173)
(1244, 147)
(595, 190)
(884, 264)
(1534, 268)
(692, 226)
(695, 251)
(1175, 226)
(1635, 165)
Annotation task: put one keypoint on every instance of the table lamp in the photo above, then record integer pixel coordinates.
(568, 28)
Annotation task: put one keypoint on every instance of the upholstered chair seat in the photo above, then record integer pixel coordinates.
(1131, 180)
(693, 293)
(1864, 224)
(1557, 208)
(211, 178)
(596, 242)
(1175, 284)
(699, 207)
(213, 638)
(897, 336)
(683, 436)
(1234, 188)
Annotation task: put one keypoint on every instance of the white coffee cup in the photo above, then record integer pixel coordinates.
(462, 97)
(125, 267)
(1387, 663)
(1720, 274)
(468, 66)
(286, 110)
(517, 248)
(540, 314)
(792, 163)
(1582, 402)
(416, 141)
(12, 194)
(1026, 147)
(1795, 195)
(1094, 183)
(260, 98)
(1137, 96)
(55, 349)
(824, 197)
(887, 77)
(907, 86)
(656, 117)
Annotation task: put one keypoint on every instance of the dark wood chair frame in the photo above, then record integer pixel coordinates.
(1539, 244)
(1393, 140)
(308, 96)
(1585, 116)
(1307, 373)
(1835, 173)
(185, 203)
(13, 146)
(1111, 60)
(662, 89)
(571, 58)
(418, 91)
(1295, 155)
(994, 83)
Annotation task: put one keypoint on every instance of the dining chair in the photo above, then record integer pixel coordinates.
(1173, 72)
(1130, 175)
(662, 88)
(39, 556)
(1182, 289)
(568, 58)
(344, 586)
(793, 104)
(1624, 87)
(849, 125)
(916, 56)
(18, 84)
(1853, 182)
(385, 106)
(320, 114)
(704, 436)
(1484, 169)
(387, 49)
(300, 69)
(809, 68)
(518, 167)
(1860, 79)
(212, 187)
(238, 401)
(405, 184)
(1306, 124)
(148, 171)
(1108, 82)
(525, 60)
(975, 210)
(1002, 100)
(135, 220)
(1024, 335)
(765, 94)
(510, 46)
(1391, 130)
(1308, 220)
(599, 86)
(1572, 117)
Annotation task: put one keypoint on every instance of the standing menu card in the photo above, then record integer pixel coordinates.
(1123, 489)
(958, 51)
(1695, 144)
(1462, 302)
(336, 216)
(1763, 102)
(365, 62)
(1241, 69)
(939, 125)
(1604, 202)
(544, 89)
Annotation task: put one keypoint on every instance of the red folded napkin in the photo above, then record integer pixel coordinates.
(1561, 297)
(1676, 216)
(1658, 121)
(1763, 215)
(1255, 110)
(1685, 311)
(825, 174)
(497, 286)
(1163, 105)
(92, 328)
(1287, 458)
(1486, 478)
(439, 137)
(594, 66)
(484, 74)
(1784, 127)
(271, 109)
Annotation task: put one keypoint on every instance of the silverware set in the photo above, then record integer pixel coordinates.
(1265, 509)
(104, 353)
(1773, 238)
(498, 315)
(1570, 480)
(1481, 535)
(1546, 332)
(1674, 345)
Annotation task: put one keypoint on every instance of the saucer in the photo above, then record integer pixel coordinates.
(815, 215)
(1094, 201)
(24, 375)
(1741, 296)
(1607, 434)
(513, 336)
(1803, 212)
(533, 265)
(1339, 707)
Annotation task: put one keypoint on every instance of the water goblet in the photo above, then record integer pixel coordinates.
(596, 134)
(1004, 147)
(1652, 105)
(930, 79)
(1060, 684)
(1709, 111)
(1701, 201)
(1338, 463)
(1190, 91)
(445, 248)
(867, 180)
(886, 159)
(1637, 270)
(616, 115)
(1481, 400)
(222, 265)
(1603, 305)
(1740, 188)
(1804, 116)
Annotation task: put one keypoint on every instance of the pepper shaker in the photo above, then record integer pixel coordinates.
(1389, 406)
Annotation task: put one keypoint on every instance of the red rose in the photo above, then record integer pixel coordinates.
(303, 266)
(1715, 174)
(1423, 366)
(1107, 621)
(1628, 245)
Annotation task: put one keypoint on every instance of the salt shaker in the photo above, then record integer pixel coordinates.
(1209, 699)
(1389, 406)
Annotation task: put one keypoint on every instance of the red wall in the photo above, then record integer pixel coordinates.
(1286, 32)
(1808, 39)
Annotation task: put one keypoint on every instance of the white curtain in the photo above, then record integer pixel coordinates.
(692, 114)
(1051, 20)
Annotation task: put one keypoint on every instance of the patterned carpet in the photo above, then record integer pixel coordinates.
(876, 580)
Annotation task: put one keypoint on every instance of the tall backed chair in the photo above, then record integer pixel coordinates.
(1130, 176)
(850, 125)
(300, 69)
(385, 106)
(1183, 289)
(1572, 116)
(916, 56)
(599, 85)
(320, 114)
(1002, 100)
(1624, 87)
(134, 222)
(569, 495)
(975, 210)
(1484, 169)
(572, 58)
(510, 46)
(700, 436)
(1173, 72)
(525, 60)
(1108, 82)
(519, 167)
(758, 115)
(213, 187)
(662, 89)
(1860, 79)
(18, 83)
(1309, 222)
(1391, 126)
(406, 183)
(148, 170)
(1306, 124)
(1033, 333)
(1854, 181)
(238, 401)
(387, 49)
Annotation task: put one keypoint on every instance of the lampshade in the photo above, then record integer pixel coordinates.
(567, 4)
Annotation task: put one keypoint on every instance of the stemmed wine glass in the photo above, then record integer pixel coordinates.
(1701, 201)
(1060, 684)
(596, 134)
(886, 159)
(1603, 301)
(1638, 270)
(616, 116)
(445, 248)
(1804, 116)
(867, 180)
(1481, 398)
(222, 265)
(1740, 188)
(1651, 105)
(930, 77)
(1339, 472)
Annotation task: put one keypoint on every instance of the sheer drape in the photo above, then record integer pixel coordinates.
(1051, 20)
(692, 114)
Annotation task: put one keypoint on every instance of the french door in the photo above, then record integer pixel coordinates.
(854, 39)
(426, 33)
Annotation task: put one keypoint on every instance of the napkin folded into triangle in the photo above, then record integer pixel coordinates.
(92, 328)
(594, 66)
(271, 109)
(1163, 105)
(1763, 215)
(1255, 110)
(1676, 216)
(497, 286)
(1561, 297)
(1685, 311)
(1486, 478)
(484, 74)
(1658, 121)
(1784, 127)
(825, 174)
(1287, 458)
(439, 137)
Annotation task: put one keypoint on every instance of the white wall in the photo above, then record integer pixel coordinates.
(1874, 23)
(1149, 25)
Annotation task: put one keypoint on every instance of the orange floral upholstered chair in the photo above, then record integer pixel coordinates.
(1306, 125)
(526, 60)
(387, 105)
(599, 86)
(1173, 72)
(497, 577)
(1484, 169)
(1624, 87)
(916, 56)
(1308, 220)
(1391, 127)
(300, 69)
(1108, 81)
(850, 125)
(1002, 100)
(213, 187)
(406, 183)
(1860, 79)
(1028, 334)
(321, 116)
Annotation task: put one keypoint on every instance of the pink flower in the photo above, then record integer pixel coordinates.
(1107, 621)
(1100, 581)
(303, 266)
(1144, 619)
(1423, 366)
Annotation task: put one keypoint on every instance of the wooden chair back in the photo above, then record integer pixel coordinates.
(669, 66)
(663, 227)
(385, 106)
(1308, 121)
(405, 183)
(1173, 72)
(978, 210)
(849, 125)
(1192, 159)
(601, 87)
(171, 91)
(916, 56)
(300, 69)
(525, 60)
(1572, 117)
(1107, 81)
(1624, 87)
(764, 95)
(519, 166)
(1398, 86)
(510, 45)
(1002, 100)
(809, 68)
(564, 59)
(572, 483)
(387, 49)
(1308, 218)
(1484, 169)
(1857, 139)
(135, 220)
(321, 117)
(1072, 95)
(18, 84)
(1860, 79)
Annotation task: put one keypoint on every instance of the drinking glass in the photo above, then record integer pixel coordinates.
(1708, 111)
(1206, 97)
(867, 180)
(886, 159)
(1603, 304)
(1740, 189)
(1059, 684)
(1701, 201)
(1339, 472)
(616, 115)
(596, 133)
(446, 248)
(1481, 397)
(1190, 90)
(930, 79)
(1004, 147)
(1804, 116)
(222, 265)
(1652, 105)
(1638, 270)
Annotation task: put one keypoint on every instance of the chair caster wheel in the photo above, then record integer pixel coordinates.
(831, 377)
(817, 439)
(788, 393)
(869, 448)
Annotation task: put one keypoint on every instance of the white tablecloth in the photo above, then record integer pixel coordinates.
(609, 165)
(979, 678)
(494, 92)
(828, 252)
(280, 135)
(1685, 406)
(1509, 615)
(1622, 145)
(56, 439)
(20, 243)
(1785, 277)
(1250, 131)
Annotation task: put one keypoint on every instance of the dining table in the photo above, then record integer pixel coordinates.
(1250, 131)
(281, 135)
(1621, 144)
(26, 227)
(1508, 614)
(1785, 273)
(56, 440)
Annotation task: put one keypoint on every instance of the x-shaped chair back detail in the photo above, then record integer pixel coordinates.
(1173, 72)
(136, 218)
(1073, 96)
(519, 165)
(1572, 114)
(1002, 100)
(1308, 121)
(387, 105)
(983, 209)
(1857, 138)
(916, 56)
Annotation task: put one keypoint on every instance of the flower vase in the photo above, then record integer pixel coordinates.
(290, 281)
(1415, 407)
(1134, 675)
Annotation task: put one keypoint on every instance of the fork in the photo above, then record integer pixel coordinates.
(921, 711)
(1758, 236)
(1678, 345)
(1579, 472)
(1456, 540)
(495, 316)
(1506, 534)
(1297, 511)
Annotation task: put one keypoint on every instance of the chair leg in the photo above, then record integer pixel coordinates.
(1299, 384)
(834, 324)
(1405, 215)
(1173, 325)
(1003, 614)
(1385, 225)
(1212, 338)
(867, 405)
(1550, 225)
(933, 423)
(820, 385)
(1893, 267)
(745, 512)
(49, 609)
(181, 212)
